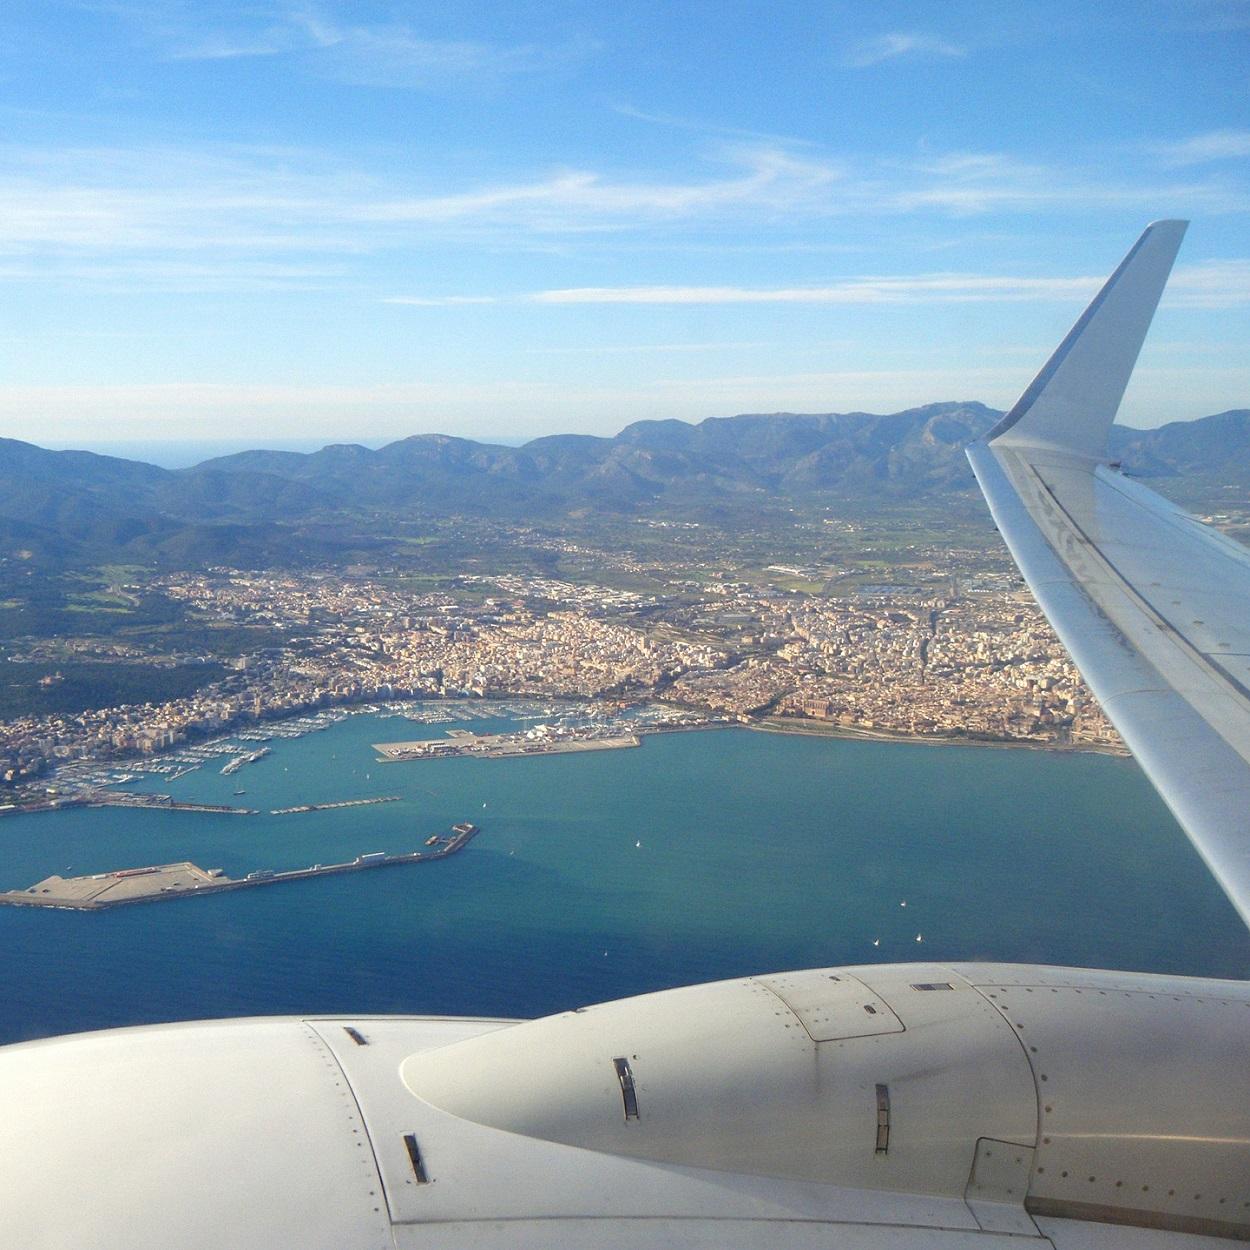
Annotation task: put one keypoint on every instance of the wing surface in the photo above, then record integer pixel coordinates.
(1153, 606)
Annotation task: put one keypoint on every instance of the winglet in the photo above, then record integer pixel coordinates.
(1071, 404)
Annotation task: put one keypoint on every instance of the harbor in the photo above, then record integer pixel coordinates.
(157, 883)
(579, 723)
(461, 936)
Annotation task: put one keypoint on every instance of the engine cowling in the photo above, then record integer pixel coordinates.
(1108, 1096)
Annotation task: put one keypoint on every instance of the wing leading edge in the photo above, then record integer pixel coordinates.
(1153, 606)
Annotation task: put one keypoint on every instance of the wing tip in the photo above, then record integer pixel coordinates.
(1079, 421)
(1173, 226)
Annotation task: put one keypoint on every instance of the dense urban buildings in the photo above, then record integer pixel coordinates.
(928, 659)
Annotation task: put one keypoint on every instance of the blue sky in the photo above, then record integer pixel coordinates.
(326, 222)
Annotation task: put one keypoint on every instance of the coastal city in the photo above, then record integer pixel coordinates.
(963, 654)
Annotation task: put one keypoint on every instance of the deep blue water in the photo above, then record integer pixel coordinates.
(758, 852)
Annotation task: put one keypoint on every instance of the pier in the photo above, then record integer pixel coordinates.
(158, 883)
(239, 760)
(330, 807)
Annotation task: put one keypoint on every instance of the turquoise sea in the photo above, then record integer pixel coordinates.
(696, 856)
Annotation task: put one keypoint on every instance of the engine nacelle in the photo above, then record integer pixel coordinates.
(1096, 1095)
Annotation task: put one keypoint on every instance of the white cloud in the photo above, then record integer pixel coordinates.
(899, 43)
(234, 201)
(697, 126)
(110, 201)
(94, 213)
(229, 46)
(926, 288)
(1215, 145)
(399, 56)
(764, 177)
(1212, 284)
(171, 274)
(975, 183)
(379, 54)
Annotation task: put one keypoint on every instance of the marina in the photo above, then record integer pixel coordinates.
(78, 779)
(158, 883)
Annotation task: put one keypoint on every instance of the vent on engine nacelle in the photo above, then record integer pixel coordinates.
(629, 1095)
(414, 1157)
(883, 1119)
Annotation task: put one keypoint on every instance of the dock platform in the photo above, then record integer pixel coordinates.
(461, 742)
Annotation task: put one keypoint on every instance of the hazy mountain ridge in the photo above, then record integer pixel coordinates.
(1215, 447)
(920, 449)
(248, 505)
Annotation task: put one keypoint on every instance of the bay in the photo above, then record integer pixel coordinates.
(697, 856)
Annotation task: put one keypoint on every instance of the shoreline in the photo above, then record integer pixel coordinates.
(851, 734)
(715, 720)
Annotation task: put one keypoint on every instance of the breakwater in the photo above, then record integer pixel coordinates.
(331, 807)
(160, 802)
(157, 883)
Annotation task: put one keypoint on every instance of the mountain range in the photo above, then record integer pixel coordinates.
(55, 503)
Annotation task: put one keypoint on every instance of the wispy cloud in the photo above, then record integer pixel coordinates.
(194, 36)
(1215, 284)
(972, 183)
(1214, 145)
(945, 288)
(110, 201)
(760, 177)
(224, 48)
(1212, 284)
(371, 54)
(902, 43)
(399, 56)
(90, 213)
(169, 274)
(631, 349)
(696, 126)
(239, 200)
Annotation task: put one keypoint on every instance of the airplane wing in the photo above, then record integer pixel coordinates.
(1153, 606)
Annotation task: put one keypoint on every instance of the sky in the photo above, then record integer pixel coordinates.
(280, 223)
